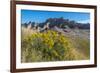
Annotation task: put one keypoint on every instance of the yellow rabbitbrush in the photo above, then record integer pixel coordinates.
(48, 46)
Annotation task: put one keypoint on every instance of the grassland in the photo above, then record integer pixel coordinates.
(53, 46)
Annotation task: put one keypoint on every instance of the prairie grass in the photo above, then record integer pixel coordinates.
(52, 46)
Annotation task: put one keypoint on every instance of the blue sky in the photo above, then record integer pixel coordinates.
(39, 16)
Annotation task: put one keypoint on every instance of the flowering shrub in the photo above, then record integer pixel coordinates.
(48, 46)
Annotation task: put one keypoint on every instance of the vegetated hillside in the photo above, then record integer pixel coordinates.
(56, 39)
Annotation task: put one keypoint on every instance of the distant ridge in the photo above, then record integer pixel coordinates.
(59, 22)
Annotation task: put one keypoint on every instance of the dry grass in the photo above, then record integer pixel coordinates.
(51, 46)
